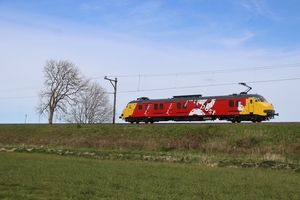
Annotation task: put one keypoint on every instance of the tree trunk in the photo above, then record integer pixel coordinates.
(50, 119)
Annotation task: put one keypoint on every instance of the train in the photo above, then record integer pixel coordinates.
(235, 107)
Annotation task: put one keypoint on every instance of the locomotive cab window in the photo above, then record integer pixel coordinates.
(231, 103)
(140, 107)
(260, 99)
(155, 106)
(178, 105)
(161, 106)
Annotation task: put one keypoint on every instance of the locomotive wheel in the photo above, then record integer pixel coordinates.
(258, 120)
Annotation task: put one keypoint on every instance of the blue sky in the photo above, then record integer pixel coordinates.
(157, 48)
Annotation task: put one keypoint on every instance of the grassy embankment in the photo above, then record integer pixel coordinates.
(275, 146)
(110, 162)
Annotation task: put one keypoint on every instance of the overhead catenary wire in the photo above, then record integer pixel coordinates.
(177, 74)
(270, 67)
(183, 87)
(25, 97)
(19, 89)
(174, 88)
(209, 85)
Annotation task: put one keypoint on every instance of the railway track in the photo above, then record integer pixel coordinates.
(144, 124)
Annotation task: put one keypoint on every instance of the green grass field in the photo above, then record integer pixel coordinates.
(40, 176)
(160, 161)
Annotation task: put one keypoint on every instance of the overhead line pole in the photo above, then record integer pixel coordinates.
(114, 84)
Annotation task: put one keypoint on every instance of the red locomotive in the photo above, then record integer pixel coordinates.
(234, 108)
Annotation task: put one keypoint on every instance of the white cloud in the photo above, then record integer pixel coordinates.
(237, 41)
(102, 5)
(148, 7)
(89, 7)
(259, 7)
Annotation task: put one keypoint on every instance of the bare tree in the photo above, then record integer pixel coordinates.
(63, 81)
(92, 106)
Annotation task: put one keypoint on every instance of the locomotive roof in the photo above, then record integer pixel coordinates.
(196, 97)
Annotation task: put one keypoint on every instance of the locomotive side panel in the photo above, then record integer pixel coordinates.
(195, 107)
(217, 106)
(235, 108)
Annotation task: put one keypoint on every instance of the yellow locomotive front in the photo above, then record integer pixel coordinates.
(258, 108)
(128, 111)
